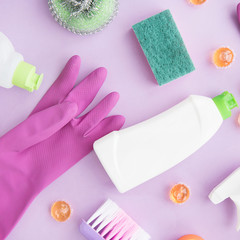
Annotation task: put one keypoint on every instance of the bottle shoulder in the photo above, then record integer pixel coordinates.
(205, 105)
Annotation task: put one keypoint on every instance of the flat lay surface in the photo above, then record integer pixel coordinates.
(44, 43)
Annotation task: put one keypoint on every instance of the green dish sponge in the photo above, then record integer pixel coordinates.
(163, 46)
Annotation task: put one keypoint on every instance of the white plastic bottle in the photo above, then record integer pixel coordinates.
(136, 154)
(14, 71)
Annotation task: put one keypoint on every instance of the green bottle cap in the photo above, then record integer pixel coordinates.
(25, 77)
(225, 102)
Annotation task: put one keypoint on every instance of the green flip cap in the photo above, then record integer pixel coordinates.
(25, 77)
(225, 102)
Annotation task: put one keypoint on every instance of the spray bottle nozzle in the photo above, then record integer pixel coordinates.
(228, 188)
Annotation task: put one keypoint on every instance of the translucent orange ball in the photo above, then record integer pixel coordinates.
(197, 2)
(190, 237)
(179, 193)
(223, 57)
(238, 119)
(61, 211)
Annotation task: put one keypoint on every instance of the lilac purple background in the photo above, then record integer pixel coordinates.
(44, 43)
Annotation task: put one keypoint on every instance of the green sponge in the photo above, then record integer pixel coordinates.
(163, 46)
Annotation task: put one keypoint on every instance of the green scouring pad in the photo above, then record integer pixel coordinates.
(83, 16)
(164, 48)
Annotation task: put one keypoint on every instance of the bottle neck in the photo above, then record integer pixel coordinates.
(26, 78)
(225, 102)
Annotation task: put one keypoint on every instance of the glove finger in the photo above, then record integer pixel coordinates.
(62, 86)
(84, 93)
(107, 125)
(98, 113)
(38, 127)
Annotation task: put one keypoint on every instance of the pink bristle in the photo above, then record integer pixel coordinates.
(111, 225)
(115, 232)
(130, 232)
(120, 229)
(116, 226)
(128, 229)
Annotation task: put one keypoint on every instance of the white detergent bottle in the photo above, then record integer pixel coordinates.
(136, 154)
(14, 71)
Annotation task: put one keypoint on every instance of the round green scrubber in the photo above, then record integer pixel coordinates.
(83, 16)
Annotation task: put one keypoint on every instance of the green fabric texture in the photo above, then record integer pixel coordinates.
(163, 47)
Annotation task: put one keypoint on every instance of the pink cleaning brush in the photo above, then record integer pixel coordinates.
(110, 222)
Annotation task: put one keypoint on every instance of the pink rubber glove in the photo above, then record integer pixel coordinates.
(238, 12)
(51, 140)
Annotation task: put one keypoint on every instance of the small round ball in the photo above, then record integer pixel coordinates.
(60, 211)
(223, 57)
(179, 193)
(190, 237)
(197, 2)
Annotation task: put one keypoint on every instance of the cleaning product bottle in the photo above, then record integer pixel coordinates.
(136, 154)
(228, 188)
(14, 71)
